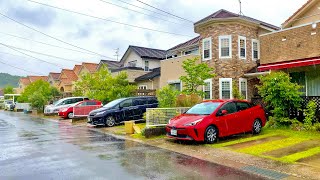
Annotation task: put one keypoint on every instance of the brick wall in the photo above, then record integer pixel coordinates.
(234, 67)
(299, 44)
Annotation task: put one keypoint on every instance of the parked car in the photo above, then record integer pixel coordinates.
(8, 105)
(68, 111)
(212, 119)
(62, 103)
(124, 109)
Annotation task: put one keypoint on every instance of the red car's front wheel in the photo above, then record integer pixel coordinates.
(211, 134)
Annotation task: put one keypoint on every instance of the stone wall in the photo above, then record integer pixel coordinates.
(233, 67)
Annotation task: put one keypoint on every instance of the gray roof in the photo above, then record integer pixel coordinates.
(148, 53)
(191, 42)
(111, 64)
(154, 73)
(221, 14)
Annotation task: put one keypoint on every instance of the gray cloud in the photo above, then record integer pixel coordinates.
(42, 17)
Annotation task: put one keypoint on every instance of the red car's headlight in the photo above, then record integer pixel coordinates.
(194, 122)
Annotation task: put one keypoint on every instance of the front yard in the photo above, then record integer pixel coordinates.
(283, 145)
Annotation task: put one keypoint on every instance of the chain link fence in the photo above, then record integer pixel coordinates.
(157, 117)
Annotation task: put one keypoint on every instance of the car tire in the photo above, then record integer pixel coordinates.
(211, 134)
(256, 126)
(70, 115)
(110, 121)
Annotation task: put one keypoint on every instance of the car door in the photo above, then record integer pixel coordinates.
(126, 110)
(245, 116)
(230, 119)
(139, 108)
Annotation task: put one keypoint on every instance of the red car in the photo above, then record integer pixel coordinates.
(68, 112)
(217, 118)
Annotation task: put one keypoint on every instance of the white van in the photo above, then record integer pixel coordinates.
(62, 103)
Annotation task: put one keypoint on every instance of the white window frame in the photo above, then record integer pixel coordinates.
(175, 82)
(210, 49)
(143, 86)
(246, 81)
(208, 81)
(230, 46)
(220, 86)
(145, 65)
(245, 47)
(258, 46)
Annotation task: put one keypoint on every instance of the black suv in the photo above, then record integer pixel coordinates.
(124, 109)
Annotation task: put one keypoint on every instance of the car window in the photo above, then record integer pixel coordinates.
(91, 103)
(86, 99)
(137, 102)
(152, 101)
(242, 106)
(205, 108)
(83, 104)
(230, 107)
(126, 103)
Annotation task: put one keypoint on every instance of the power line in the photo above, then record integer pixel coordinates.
(46, 43)
(143, 8)
(95, 17)
(164, 11)
(48, 55)
(31, 56)
(38, 31)
(1, 61)
(139, 12)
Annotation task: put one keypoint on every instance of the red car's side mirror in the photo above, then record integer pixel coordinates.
(224, 112)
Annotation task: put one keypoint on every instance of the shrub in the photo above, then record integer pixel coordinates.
(235, 92)
(280, 95)
(167, 97)
(310, 115)
(188, 100)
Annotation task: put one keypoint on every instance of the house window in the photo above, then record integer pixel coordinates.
(146, 65)
(206, 49)
(255, 49)
(242, 47)
(243, 84)
(225, 46)
(225, 88)
(193, 51)
(142, 87)
(132, 63)
(175, 85)
(207, 89)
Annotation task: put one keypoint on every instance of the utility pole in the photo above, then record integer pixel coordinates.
(240, 13)
(117, 54)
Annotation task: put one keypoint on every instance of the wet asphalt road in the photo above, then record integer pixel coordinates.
(33, 148)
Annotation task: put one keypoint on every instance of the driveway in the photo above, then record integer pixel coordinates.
(33, 148)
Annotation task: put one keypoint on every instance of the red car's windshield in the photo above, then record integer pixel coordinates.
(205, 108)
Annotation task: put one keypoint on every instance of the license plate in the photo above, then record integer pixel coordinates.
(173, 132)
(89, 119)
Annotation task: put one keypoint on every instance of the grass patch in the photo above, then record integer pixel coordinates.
(293, 137)
(300, 155)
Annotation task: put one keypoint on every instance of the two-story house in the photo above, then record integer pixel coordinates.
(24, 82)
(229, 43)
(142, 66)
(53, 79)
(296, 48)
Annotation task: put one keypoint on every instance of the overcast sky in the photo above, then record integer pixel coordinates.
(105, 37)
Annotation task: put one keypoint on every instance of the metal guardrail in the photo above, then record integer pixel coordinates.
(160, 116)
(83, 111)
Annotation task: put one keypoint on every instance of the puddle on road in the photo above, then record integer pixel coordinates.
(294, 149)
(312, 160)
(255, 142)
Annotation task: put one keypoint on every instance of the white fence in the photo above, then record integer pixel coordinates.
(23, 106)
(161, 116)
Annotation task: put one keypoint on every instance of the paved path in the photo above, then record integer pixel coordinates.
(32, 148)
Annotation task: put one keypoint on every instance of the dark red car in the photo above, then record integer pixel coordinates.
(84, 106)
(217, 118)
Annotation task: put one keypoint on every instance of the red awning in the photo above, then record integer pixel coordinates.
(290, 64)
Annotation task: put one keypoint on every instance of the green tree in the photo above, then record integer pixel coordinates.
(235, 92)
(280, 94)
(103, 86)
(38, 94)
(167, 97)
(8, 90)
(197, 73)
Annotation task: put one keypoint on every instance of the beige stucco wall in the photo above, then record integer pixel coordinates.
(171, 69)
(132, 74)
(154, 84)
(141, 62)
(312, 15)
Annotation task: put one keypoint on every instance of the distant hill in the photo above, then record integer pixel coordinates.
(7, 79)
